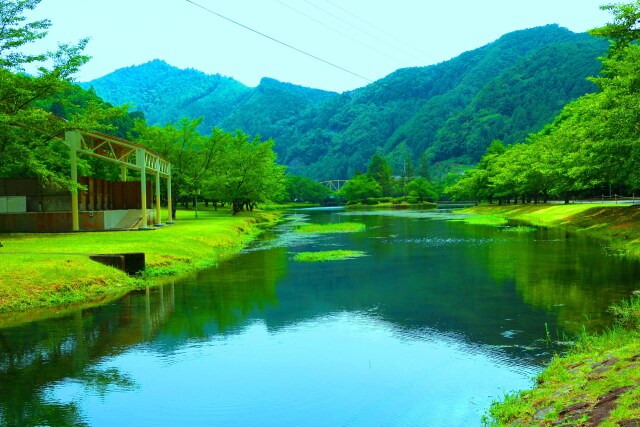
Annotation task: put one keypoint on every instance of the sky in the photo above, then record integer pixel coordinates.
(346, 43)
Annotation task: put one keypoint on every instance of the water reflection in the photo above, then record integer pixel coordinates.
(71, 350)
(439, 319)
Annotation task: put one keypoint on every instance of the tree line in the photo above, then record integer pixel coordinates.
(379, 184)
(590, 149)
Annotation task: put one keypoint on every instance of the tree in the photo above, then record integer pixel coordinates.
(304, 189)
(29, 144)
(195, 159)
(223, 166)
(249, 173)
(14, 34)
(381, 172)
(623, 30)
(360, 188)
(472, 185)
(422, 189)
(423, 168)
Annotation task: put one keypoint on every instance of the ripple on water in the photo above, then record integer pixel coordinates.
(435, 214)
(439, 242)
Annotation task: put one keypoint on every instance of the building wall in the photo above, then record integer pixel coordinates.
(60, 222)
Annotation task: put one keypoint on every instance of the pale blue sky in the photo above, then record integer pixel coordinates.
(371, 38)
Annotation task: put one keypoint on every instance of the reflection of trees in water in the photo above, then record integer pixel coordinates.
(221, 299)
(493, 287)
(563, 273)
(38, 355)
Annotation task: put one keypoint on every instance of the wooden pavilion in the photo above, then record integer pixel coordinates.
(27, 207)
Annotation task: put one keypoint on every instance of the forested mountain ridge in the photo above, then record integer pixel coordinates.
(449, 112)
(165, 93)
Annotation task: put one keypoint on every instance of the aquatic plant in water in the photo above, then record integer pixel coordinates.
(322, 256)
(339, 227)
(519, 229)
(486, 220)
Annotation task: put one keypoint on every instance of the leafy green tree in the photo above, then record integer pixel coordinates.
(424, 165)
(195, 159)
(224, 167)
(360, 188)
(623, 30)
(29, 144)
(472, 185)
(14, 34)
(422, 189)
(380, 170)
(300, 188)
(249, 173)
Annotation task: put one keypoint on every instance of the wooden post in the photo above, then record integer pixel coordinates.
(169, 201)
(73, 141)
(158, 221)
(142, 164)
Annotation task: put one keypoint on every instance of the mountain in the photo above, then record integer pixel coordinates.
(449, 112)
(165, 93)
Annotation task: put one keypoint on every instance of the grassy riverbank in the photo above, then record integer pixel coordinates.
(39, 271)
(618, 225)
(598, 381)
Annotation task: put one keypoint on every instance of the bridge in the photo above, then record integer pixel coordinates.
(334, 184)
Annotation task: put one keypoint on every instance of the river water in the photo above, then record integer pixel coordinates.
(437, 321)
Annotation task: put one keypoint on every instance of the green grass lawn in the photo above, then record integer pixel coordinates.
(540, 214)
(50, 270)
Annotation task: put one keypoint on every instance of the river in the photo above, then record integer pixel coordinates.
(439, 319)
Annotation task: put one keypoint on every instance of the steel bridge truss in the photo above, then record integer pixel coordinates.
(334, 184)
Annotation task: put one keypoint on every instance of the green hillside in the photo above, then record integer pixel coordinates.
(449, 112)
(165, 93)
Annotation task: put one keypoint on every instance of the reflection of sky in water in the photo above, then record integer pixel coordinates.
(339, 369)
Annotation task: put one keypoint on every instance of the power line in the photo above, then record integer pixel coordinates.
(376, 27)
(293, 47)
(339, 32)
(382, 40)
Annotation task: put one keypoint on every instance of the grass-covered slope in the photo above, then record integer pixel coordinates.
(596, 384)
(53, 270)
(617, 224)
